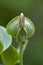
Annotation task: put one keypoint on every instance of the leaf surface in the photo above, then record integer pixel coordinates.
(10, 56)
(5, 39)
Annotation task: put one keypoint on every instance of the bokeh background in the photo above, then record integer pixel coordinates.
(34, 10)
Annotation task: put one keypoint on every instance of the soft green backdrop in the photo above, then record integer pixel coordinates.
(34, 10)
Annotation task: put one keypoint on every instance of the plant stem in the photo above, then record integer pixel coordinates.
(23, 46)
(21, 54)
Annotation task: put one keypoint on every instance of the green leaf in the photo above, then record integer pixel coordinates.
(1, 47)
(1, 62)
(10, 56)
(14, 28)
(5, 39)
(29, 27)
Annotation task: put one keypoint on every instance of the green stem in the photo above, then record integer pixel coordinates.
(23, 46)
(21, 54)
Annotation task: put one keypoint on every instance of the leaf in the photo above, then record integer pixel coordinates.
(1, 62)
(29, 27)
(1, 47)
(5, 39)
(10, 56)
(14, 28)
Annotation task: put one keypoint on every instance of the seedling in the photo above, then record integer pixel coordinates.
(21, 28)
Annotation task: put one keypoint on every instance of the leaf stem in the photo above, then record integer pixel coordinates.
(21, 54)
(23, 46)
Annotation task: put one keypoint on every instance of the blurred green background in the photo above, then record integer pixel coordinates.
(34, 10)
